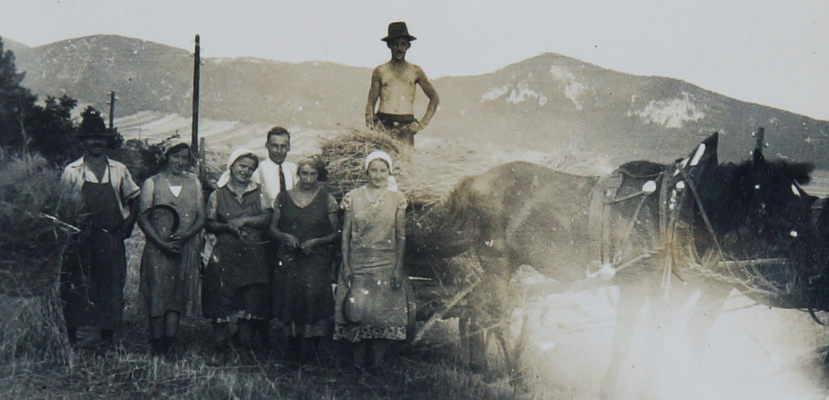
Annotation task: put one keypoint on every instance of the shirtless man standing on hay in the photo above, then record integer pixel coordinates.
(393, 83)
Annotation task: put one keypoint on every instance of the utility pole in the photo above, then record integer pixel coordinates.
(111, 109)
(194, 142)
(759, 139)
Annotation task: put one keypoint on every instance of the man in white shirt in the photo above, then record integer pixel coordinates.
(268, 175)
(274, 175)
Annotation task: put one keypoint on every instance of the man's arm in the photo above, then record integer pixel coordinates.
(400, 232)
(130, 192)
(431, 93)
(129, 223)
(373, 96)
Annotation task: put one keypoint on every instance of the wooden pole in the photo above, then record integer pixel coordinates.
(760, 139)
(443, 310)
(202, 160)
(111, 109)
(194, 142)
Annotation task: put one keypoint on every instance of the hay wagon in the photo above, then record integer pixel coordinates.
(427, 176)
(441, 286)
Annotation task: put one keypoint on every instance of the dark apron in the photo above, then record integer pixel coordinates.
(92, 283)
(305, 295)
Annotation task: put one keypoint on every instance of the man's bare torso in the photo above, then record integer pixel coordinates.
(397, 87)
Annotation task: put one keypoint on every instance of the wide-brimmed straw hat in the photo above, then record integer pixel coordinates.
(396, 30)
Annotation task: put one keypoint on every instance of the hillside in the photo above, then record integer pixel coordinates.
(555, 99)
(542, 103)
(16, 47)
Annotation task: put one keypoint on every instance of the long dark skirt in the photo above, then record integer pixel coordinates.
(303, 294)
(236, 280)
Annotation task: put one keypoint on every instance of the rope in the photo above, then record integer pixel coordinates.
(814, 317)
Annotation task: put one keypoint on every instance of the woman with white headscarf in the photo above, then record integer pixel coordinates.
(236, 281)
(371, 308)
(171, 207)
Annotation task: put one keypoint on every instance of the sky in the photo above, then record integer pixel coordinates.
(769, 52)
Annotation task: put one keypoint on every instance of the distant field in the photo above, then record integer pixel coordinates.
(819, 185)
(220, 136)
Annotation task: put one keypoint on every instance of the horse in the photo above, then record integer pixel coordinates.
(818, 298)
(647, 227)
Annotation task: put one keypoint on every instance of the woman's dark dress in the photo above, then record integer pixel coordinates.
(306, 300)
(236, 278)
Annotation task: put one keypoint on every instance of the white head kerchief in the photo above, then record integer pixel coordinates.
(234, 155)
(381, 155)
(392, 184)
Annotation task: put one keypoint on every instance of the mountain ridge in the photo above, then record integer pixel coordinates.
(543, 102)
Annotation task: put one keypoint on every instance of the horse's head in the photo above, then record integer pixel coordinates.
(761, 212)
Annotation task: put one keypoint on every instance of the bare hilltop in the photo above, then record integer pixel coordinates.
(540, 104)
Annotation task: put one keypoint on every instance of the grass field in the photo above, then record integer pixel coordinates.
(754, 353)
(196, 372)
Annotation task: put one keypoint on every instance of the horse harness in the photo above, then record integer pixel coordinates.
(676, 188)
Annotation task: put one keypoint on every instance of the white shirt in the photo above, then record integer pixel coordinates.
(267, 175)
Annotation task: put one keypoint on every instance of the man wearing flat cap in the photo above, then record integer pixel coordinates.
(393, 83)
(94, 273)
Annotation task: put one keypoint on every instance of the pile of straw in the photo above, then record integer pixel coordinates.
(344, 156)
(425, 176)
(39, 221)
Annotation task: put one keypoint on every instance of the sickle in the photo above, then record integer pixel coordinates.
(169, 209)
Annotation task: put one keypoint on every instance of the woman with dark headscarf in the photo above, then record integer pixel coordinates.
(306, 224)
(171, 215)
(236, 278)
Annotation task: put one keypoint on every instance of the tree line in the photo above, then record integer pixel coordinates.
(47, 128)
